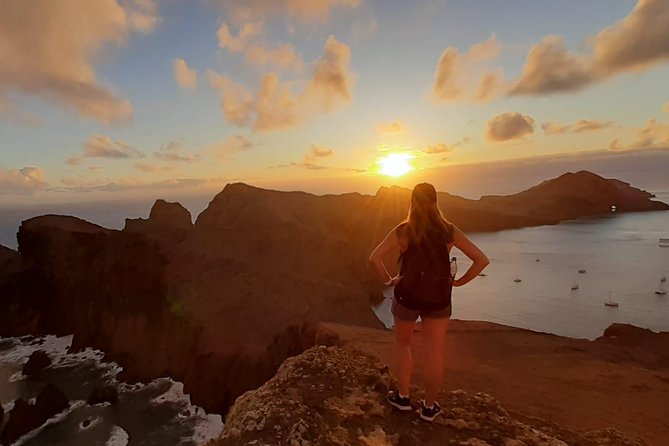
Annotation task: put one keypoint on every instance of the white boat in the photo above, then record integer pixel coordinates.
(517, 280)
(574, 287)
(663, 279)
(664, 243)
(611, 302)
(661, 291)
(581, 271)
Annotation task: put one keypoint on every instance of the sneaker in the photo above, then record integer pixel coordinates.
(427, 413)
(399, 402)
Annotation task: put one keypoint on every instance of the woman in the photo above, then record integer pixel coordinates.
(425, 234)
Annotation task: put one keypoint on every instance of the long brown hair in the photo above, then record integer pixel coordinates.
(425, 217)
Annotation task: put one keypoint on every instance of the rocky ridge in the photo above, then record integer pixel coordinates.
(228, 298)
(335, 397)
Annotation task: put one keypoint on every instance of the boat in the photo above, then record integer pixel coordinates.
(537, 260)
(574, 287)
(517, 280)
(663, 279)
(661, 292)
(664, 243)
(482, 274)
(581, 271)
(610, 302)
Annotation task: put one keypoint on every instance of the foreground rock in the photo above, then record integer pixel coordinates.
(37, 362)
(25, 417)
(332, 396)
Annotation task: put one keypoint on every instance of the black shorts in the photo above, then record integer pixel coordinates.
(409, 315)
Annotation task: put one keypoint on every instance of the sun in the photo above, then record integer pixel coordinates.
(395, 164)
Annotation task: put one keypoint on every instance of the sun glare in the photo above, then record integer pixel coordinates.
(395, 164)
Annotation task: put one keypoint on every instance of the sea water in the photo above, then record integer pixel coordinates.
(621, 257)
(157, 413)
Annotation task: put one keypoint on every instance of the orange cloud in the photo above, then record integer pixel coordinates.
(636, 43)
(666, 107)
(652, 135)
(23, 181)
(441, 147)
(11, 113)
(173, 152)
(283, 56)
(391, 128)
(310, 160)
(303, 10)
(185, 77)
(583, 125)
(231, 145)
(453, 79)
(275, 105)
(48, 49)
(550, 68)
(509, 126)
(236, 44)
(153, 167)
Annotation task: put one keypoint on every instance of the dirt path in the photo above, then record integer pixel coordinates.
(620, 382)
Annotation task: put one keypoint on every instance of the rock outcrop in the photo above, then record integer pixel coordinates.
(170, 221)
(335, 397)
(37, 362)
(25, 417)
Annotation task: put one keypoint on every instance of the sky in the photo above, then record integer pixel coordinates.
(106, 99)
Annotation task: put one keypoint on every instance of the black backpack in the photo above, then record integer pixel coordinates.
(425, 274)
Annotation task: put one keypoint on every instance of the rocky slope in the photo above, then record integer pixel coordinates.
(227, 299)
(335, 397)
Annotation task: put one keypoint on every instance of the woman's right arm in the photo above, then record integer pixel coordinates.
(479, 259)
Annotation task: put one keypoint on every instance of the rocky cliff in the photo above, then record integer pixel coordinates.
(227, 299)
(335, 397)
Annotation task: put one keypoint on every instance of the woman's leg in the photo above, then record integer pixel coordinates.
(434, 342)
(402, 358)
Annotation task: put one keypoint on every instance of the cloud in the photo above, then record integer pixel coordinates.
(153, 167)
(310, 160)
(635, 44)
(666, 107)
(236, 44)
(276, 106)
(173, 152)
(49, 48)
(391, 128)
(654, 134)
(185, 77)
(441, 147)
(231, 145)
(550, 68)
(11, 113)
(509, 126)
(99, 146)
(85, 184)
(284, 55)
(23, 181)
(583, 125)
(456, 72)
(304, 10)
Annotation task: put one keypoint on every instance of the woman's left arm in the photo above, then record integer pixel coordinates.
(388, 244)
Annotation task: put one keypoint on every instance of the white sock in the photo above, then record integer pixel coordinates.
(402, 396)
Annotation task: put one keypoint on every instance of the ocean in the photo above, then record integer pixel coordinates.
(152, 414)
(621, 257)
